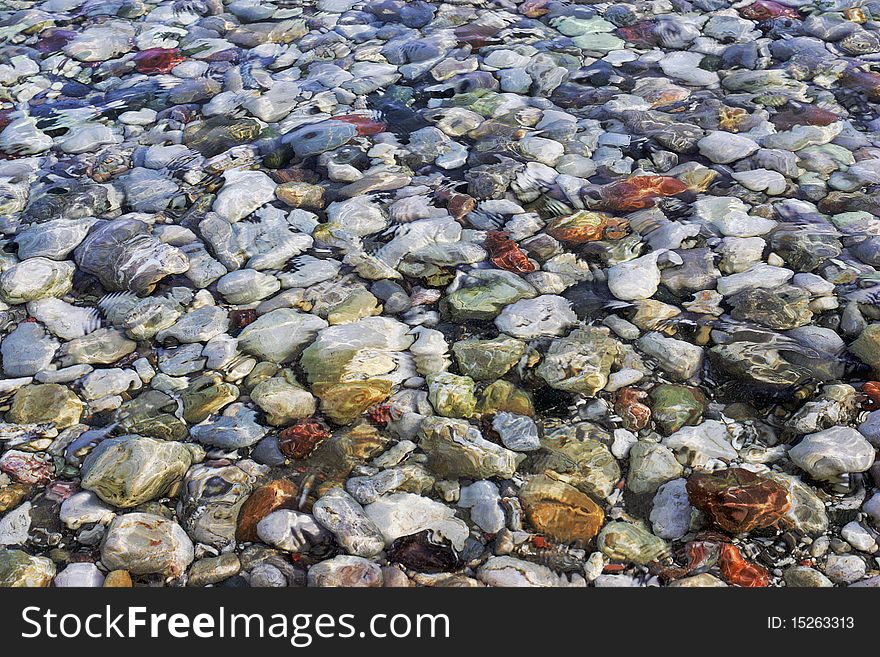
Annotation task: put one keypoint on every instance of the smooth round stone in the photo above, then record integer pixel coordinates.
(635, 279)
(212, 570)
(514, 80)
(130, 470)
(36, 278)
(15, 526)
(674, 406)
(280, 335)
(698, 581)
(452, 395)
(758, 276)
(118, 579)
(53, 239)
(22, 136)
(762, 180)
(731, 218)
(404, 514)
(580, 362)
(27, 350)
(100, 43)
(84, 508)
(833, 452)
(518, 432)
(211, 497)
(19, 569)
(807, 513)
(859, 537)
(283, 399)
(699, 445)
(79, 575)
(845, 568)
(507, 571)
(681, 360)
(243, 193)
(456, 448)
(580, 461)
(805, 577)
(725, 147)
(572, 27)
(650, 465)
(685, 66)
(199, 325)
(345, 571)
(267, 452)
(50, 402)
(671, 510)
(872, 508)
(124, 255)
(236, 428)
(247, 286)
(143, 543)
(483, 500)
(546, 315)
(561, 511)
(622, 541)
(601, 42)
(545, 151)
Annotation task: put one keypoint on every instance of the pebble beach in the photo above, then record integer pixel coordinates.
(463, 293)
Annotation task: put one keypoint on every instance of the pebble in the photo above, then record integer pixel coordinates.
(79, 575)
(128, 471)
(671, 510)
(353, 529)
(650, 466)
(19, 569)
(144, 543)
(346, 571)
(510, 572)
(291, 531)
(833, 452)
(518, 432)
(212, 570)
(483, 500)
(405, 288)
(845, 569)
(805, 577)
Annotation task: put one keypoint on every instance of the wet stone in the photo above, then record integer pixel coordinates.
(737, 500)
(19, 569)
(128, 471)
(143, 543)
(429, 293)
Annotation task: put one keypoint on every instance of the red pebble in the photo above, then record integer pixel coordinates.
(702, 554)
(640, 192)
(765, 10)
(364, 124)
(380, 414)
(506, 254)
(871, 392)
(299, 440)
(28, 467)
(640, 34)
(628, 405)
(157, 60)
(739, 572)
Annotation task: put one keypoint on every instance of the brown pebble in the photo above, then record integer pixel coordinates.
(277, 494)
(12, 496)
(118, 579)
(301, 195)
